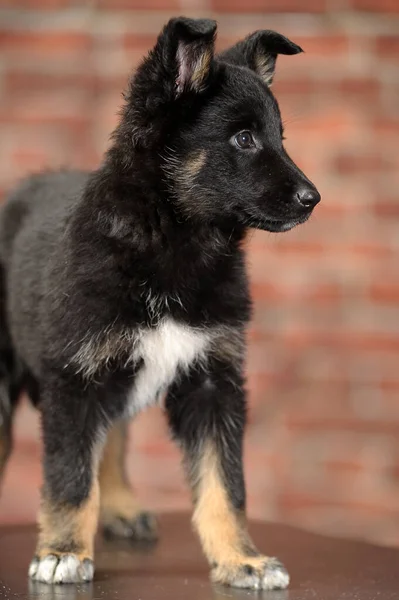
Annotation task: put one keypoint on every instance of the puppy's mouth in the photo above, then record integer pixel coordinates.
(275, 225)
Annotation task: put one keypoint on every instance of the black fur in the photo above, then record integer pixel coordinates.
(156, 232)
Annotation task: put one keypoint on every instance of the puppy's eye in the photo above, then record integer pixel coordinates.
(244, 140)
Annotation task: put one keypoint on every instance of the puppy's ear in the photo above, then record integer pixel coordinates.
(179, 66)
(259, 52)
(180, 61)
(192, 44)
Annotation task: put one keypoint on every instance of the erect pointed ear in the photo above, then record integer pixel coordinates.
(259, 52)
(180, 64)
(195, 43)
(181, 60)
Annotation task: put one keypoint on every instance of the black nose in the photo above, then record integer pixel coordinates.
(308, 196)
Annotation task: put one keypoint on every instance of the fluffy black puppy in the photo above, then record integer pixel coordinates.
(124, 283)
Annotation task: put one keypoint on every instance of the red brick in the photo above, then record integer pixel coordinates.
(338, 466)
(302, 85)
(272, 6)
(267, 290)
(362, 88)
(332, 122)
(302, 247)
(326, 46)
(388, 47)
(323, 293)
(336, 209)
(18, 81)
(297, 500)
(138, 42)
(361, 341)
(385, 292)
(376, 6)
(52, 119)
(38, 4)
(369, 249)
(30, 159)
(384, 125)
(139, 4)
(386, 208)
(348, 164)
(45, 43)
(277, 6)
(309, 423)
(388, 385)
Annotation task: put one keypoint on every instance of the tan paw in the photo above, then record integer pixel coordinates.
(142, 527)
(261, 573)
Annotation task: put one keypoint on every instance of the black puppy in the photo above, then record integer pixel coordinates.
(122, 284)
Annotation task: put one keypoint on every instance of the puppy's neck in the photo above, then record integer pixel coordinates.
(138, 213)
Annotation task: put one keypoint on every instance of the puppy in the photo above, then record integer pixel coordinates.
(129, 282)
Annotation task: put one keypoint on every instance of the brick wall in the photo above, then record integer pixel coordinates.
(323, 442)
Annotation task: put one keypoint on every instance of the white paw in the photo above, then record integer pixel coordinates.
(66, 568)
(268, 574)
(275, 576)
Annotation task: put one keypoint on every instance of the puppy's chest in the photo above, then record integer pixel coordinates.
(164, 352)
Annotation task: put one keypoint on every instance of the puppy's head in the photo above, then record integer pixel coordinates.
(217, 127)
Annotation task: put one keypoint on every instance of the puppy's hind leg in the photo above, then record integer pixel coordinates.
(121, 515)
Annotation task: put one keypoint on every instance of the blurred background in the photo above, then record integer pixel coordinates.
(322, 449)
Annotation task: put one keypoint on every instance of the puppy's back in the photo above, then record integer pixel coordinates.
(40, 204)
(32, 223)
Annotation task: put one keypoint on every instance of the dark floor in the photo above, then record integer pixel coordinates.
(321, 568)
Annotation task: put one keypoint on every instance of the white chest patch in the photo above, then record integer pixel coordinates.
(166, 350)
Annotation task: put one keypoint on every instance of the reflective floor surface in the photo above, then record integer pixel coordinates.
(321, 568)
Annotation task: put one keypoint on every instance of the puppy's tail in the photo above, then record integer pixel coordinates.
(6, 413)
(9, 381)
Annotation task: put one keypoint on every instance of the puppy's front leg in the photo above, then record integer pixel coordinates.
(73, 428)
(207, 415)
